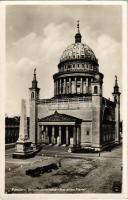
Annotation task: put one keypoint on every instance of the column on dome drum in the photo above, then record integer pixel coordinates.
(53, 134)
(67, 136)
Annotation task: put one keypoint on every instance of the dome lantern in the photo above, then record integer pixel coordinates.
(78, 35)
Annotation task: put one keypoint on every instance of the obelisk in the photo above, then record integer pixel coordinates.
(23, 134)
(23, 144)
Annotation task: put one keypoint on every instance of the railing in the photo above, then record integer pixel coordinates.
(78, 70)
(78, 99)
(73, 71)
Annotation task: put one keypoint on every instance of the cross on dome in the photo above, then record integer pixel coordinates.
(34, 75)
(116, 80)
(35, 71)
(78, 26)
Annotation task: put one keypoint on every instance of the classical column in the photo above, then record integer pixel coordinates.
(53, 135)
(86, 85)
(42, 133)
(60, 86)
(46, 136)
(66, 92)
(39, 134)
(78, 135)
(64, 86)
(67, 136)
(74, 136)
(60, 135)
(69, 85)
(75, 85)
(72, 86)
(56, 87)
(81, 85)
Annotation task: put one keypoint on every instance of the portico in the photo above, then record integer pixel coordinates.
(60, 129)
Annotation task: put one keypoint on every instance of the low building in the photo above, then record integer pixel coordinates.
(12, 129)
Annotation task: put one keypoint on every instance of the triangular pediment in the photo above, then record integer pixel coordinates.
(59, 117)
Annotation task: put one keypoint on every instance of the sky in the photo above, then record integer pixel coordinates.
(37, 35)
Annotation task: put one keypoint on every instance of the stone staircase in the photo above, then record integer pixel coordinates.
(60, 148)
(53, 149)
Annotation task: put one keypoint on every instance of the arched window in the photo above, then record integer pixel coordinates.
(32, 95)
(95, 90)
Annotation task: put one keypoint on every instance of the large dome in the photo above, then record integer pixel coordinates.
(78, 69)
(78, 51)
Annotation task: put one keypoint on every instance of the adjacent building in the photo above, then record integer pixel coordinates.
(11, 129)
(12, 125)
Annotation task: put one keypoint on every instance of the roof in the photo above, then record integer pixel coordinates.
(13, 121)
(107, 102)
(77, 51)
(57, 117)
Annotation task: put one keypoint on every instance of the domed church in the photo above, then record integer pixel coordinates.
(77, 115)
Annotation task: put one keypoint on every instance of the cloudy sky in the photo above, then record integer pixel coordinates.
(36, 36)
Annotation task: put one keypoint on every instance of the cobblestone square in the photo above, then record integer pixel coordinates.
(78, 173)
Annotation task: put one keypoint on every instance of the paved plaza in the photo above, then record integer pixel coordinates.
(88, 173)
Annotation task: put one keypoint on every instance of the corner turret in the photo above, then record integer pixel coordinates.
(34, 97)
(116, 95)
(34, 90)
(116, 92)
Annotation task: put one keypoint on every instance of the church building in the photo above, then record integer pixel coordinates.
(77, 115)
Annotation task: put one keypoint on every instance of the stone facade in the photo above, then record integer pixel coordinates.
(78, 94)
